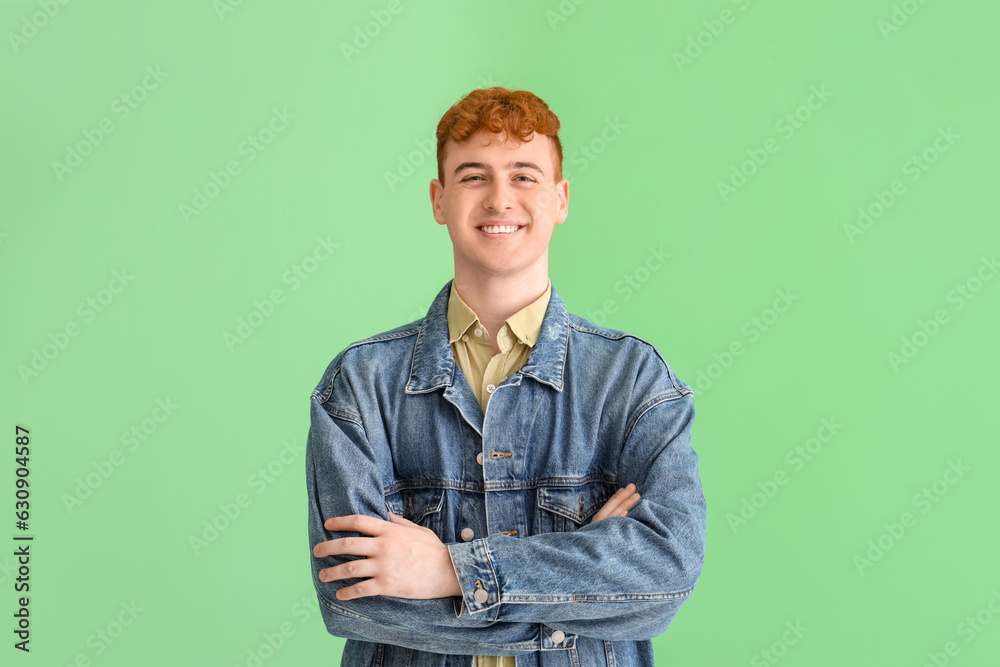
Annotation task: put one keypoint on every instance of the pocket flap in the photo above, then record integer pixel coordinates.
(577, 503)
(415, 504)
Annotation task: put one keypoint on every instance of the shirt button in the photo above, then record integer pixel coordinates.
(464, 337)
(490, 388)
(481, 596)
(478, 332)
(468, 534)
(479, 458)
(558, 636)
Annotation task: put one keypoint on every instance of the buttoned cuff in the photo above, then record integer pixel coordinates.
(476, 577)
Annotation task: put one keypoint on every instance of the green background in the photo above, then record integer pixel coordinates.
(352, 167)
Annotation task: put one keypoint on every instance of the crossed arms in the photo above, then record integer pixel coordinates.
(420, 593)
(406, 560)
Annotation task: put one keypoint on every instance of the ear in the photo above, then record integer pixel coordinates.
(437, 192)
(562, 193)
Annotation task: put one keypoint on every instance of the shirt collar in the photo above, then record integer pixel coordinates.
(433, 365)
(525, 323)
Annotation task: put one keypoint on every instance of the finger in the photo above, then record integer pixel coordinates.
(627, 501)
(356, 523)
(354, 569)
(359, 590)
(611, 506)
(401, 521)
(604, 512)
(608, 508)
(627, 504)
(620, 503)
(346, 546)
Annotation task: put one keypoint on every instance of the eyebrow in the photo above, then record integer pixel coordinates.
(508, 166)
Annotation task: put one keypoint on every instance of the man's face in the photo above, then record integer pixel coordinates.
(503, 186)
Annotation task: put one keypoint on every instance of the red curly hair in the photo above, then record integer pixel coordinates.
(514, 113)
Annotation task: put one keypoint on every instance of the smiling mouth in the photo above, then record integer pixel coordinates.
(499, 230)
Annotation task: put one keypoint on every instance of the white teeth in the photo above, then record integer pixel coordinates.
(499, 229)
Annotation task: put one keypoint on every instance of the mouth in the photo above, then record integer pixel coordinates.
(498, 231)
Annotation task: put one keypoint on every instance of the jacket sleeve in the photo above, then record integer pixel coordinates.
(346, 475)
(644, 564)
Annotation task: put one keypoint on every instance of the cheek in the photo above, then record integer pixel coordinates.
(459, 206)
(545, 202)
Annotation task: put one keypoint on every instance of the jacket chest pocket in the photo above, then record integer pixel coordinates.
(567, 508)
(421, 506)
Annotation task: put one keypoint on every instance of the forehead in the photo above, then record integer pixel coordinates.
(495, 147)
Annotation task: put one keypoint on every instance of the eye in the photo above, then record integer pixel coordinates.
(530, 179)
(467, 178)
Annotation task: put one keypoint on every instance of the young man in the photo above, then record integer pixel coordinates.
(502, 477)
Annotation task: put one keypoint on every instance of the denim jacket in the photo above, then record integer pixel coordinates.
(395, 427)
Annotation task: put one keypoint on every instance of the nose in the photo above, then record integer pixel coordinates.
(500, 196)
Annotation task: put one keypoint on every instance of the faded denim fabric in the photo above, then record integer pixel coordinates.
(396, 427)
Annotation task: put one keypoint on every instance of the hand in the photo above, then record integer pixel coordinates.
(404, 559)
(618, 504)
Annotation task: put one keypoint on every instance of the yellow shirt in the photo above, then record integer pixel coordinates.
(470, 344)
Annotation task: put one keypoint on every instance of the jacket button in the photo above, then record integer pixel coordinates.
(558, 636)
(479, 458)
(481, 596)
(468, 534)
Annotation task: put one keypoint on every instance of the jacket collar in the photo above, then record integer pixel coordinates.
(433, 365)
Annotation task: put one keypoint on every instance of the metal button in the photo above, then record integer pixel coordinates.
(479, 458)
(478, 332)
(490, 388)
(468, 534)
(481, 596)
(558, 636)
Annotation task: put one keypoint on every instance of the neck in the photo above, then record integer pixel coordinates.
(494, 298)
